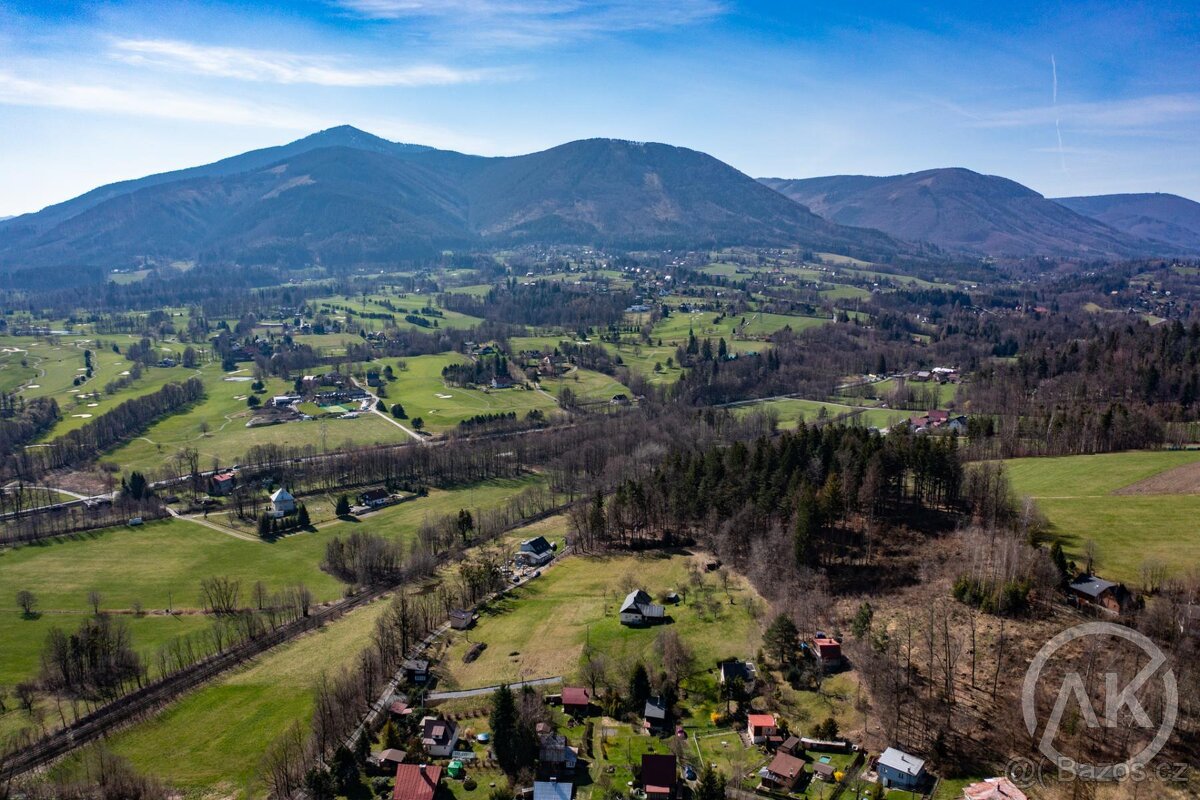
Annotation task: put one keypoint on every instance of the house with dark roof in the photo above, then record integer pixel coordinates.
(660, 779)
(535, 552)
(654, 715)
(784, 772)
(461, 619)
(900, 770)
(555, 754)
(733, 669)
(639, 609)
(374, 498)
(416, 781)
(416, 670)
(576, 701)
(439, 736)
(1102, 594)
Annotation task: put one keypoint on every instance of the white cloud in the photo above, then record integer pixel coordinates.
(17, 90)
(283, 67)
(531, 23)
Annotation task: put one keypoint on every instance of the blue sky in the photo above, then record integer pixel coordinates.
(1083, 98)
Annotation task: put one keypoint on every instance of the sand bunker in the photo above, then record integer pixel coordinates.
(239, 380)
(82, 416)
(1180, 480)
(443, 396)
(34, 386)
(92, 405)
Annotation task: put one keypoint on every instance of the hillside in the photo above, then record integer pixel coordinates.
(346, 197)
(1166, 218)
(960, 210)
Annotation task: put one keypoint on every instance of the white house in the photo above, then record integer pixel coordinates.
(439, 736)
(535, 552)
(282, 503)
(638, 609)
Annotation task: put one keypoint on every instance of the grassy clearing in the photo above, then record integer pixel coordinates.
(1075, 495)
(792, 410)
(214, 738)
(709, 324)
(223, 413)
(541, 629)
(423, 393)
(587, 385)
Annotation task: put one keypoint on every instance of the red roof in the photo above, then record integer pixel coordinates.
(658, 773)
(575, 696)
(828, 648)
(786, 767)
(416, 781)
(761, 721)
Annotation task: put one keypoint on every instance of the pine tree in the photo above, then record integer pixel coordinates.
(302, 519)
(711, 785)
(639, 687)
(389, 737)
(782, 639)
(264, 527)
(343, 506)
(503, 722)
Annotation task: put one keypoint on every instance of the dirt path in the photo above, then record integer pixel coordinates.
(1184, 479)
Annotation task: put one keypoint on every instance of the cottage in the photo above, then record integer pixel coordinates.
(1102, 594)
(783, 773)
(552, 790)
(389, 759)
(828, 652)
(743, 671)
(824, 771)
(417, 782)
(501, 382)
(282, 503)
(654, 715)
(461, 619)
(792, 746)
(899, 769)
(638, 609)
(535, 552)
(576, 701)
(374, 498)
(761, 728)
(439, 736)
(416, 670)
(554, 753)
(221, 485)
(993, 789)
(659, 777)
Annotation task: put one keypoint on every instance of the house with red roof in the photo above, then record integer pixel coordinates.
(761, 728)
(416, 781)
(783, 773)
(576, 700)
(659, 777)
(828, 652)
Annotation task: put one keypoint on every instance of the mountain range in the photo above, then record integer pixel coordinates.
(963, 211)
(345, 197)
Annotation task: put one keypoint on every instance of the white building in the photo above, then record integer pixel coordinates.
(282, 503)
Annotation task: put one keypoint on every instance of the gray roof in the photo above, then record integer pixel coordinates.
(655, 709)
(1091, 585)
(902, 762)
(639, 601)
(552, 790)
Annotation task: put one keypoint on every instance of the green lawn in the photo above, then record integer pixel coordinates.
(1075, 494)
(541, 629)
(214, 739)
(792, 410)
(423, 393)
(674, 329)
(587, 385)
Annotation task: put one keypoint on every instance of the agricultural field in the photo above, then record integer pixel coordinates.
(215, 737)
(1137, 507)
(423, 393)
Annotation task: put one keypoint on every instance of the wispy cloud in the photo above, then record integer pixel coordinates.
(144, 102)
(1113, 115)
(536, 22)
(282, 67)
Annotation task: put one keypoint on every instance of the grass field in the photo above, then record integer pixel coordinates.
(674, 329)
(541, 629)
(214, 739)
(792, 410)
(424, 394)
(1075, 493)
(224, 413)
(587, 385)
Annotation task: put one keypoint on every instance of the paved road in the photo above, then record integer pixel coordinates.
(485, 690)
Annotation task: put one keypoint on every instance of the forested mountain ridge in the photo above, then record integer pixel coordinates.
(1166, 218)
(963, 211)
(344, 197)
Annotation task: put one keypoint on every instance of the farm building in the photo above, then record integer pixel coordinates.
(900, 770)
(659, 777)
(535, 552)
(416, 782)
(282, 503)
(439, 736)
(638, 609)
